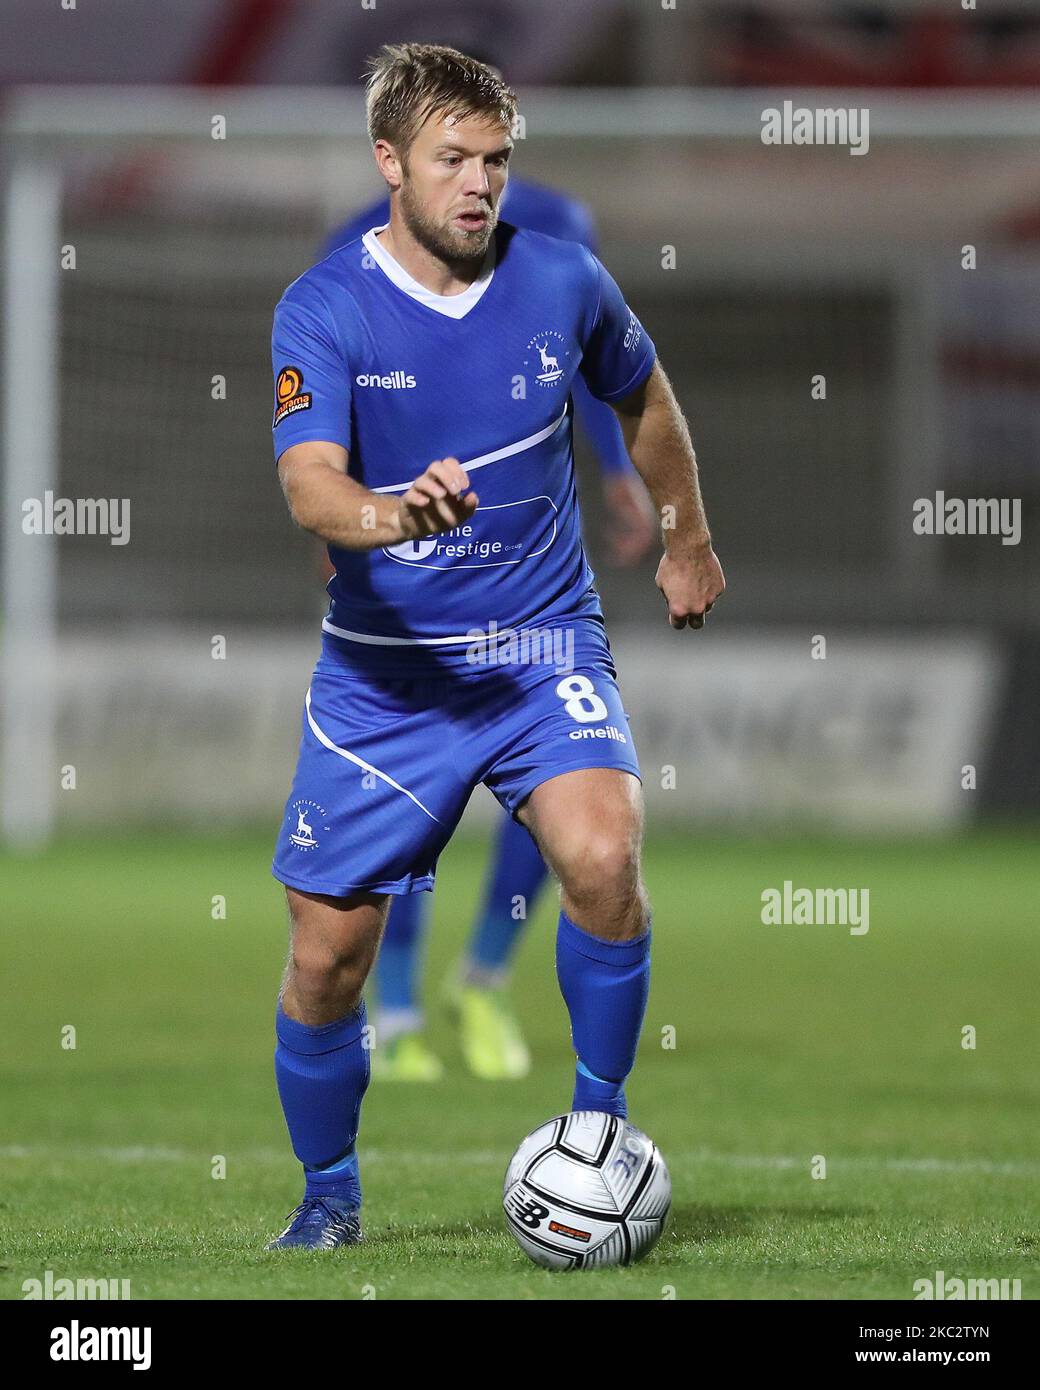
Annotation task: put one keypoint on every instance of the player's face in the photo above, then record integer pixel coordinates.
(451, 184)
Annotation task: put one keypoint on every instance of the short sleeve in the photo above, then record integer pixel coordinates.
(311, 377)
(618, 353)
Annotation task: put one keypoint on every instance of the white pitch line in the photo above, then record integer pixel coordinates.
(1010, 1168)
(147, 1153)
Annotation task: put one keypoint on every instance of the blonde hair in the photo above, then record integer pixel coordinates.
(408, 82)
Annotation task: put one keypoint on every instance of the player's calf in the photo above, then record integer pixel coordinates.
(589, 825)
(322, 1059)
(333, 944)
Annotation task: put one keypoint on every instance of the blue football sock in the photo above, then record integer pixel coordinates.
(399, 965)
(339, 1182)
(518, 871)
(605, 986)
(322, 1074)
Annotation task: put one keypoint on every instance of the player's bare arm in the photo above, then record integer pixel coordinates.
(325, 500)
(659, 445)
(630, 527)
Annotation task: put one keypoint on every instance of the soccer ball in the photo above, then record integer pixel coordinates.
(586, 1190)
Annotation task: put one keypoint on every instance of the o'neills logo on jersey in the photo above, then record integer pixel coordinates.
(392, 381)
(290, 394)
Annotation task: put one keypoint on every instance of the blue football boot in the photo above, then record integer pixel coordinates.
(319, 1224)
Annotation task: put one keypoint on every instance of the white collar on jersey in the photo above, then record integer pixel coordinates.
(454, 306)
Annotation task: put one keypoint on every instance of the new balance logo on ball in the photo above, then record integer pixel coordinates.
(393, 381)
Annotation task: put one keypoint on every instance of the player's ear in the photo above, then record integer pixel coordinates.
(388, 162)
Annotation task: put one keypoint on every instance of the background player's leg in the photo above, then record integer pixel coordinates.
(322, 1055)
(490, 1036)
(402, 1053)
(398, 966)
(516, 877)
(589, 824)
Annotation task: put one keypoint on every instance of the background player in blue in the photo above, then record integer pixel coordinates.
(465, 641)
(489, 1034)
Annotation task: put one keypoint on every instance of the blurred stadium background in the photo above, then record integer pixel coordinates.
(788, 263)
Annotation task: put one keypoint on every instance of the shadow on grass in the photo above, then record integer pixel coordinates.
(689, 1222)
(694, 1222)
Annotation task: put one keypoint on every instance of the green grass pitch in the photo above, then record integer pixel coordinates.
(789, 1042)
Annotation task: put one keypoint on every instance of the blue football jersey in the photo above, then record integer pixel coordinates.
(527, 204)
(366, 357)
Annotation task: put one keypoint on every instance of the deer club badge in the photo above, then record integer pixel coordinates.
(547, 346)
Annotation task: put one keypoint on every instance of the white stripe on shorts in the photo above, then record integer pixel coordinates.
(327, 742)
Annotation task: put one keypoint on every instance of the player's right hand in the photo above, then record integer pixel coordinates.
(438, 500)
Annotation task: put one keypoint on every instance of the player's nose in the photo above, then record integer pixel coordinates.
(477, 181)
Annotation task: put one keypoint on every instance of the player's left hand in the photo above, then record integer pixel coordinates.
(631, 518)
(691, 579)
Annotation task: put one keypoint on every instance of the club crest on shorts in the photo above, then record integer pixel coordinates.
(305, 814)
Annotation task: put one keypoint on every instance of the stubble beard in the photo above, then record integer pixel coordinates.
(453, 245)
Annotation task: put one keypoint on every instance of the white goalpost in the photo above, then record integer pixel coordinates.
(30, 467)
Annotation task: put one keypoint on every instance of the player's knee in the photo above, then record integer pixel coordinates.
(604, 868)
(321, 967)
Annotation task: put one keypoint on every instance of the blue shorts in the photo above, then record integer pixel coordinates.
(387, 764)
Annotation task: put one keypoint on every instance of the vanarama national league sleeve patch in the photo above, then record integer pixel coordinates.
(289, 394)
(312, 393)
